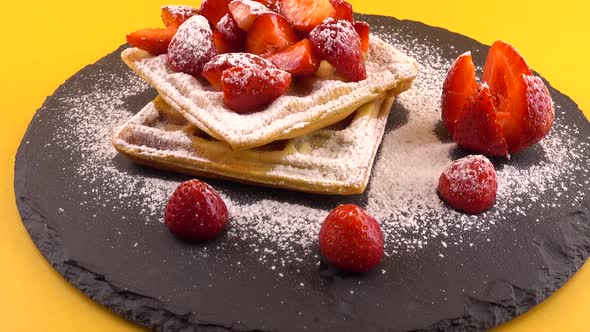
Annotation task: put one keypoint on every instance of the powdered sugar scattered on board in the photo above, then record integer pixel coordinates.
(402, 194)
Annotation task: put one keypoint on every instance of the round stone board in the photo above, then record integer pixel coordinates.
(96, 217)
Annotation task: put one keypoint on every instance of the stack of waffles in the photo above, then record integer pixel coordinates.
(321, 137)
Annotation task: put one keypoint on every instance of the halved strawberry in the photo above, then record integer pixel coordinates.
(250, 89)
(176, 15)
(274, 5)
(343, 10)
(363, 29)
(337, 42)
(460, 84)
(227, 36)
(215, 67)
(477, 128)
(245, 12)
(192, 46)
(306, 14)
(299, 59)
(155, 41)
(214, 10)
(270, 34)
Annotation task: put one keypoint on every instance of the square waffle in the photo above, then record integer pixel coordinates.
(333, 160)
(307, 107)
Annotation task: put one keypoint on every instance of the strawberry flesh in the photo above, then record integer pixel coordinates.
(343, 10)
(192, 46)
(337, 42)
(305, 15)
(155, 41)
(250, 89)
(227, 36)
(269, 34)
(245, 12)
(351, 239)
(215, 67)
(363, 29)
(477, 128)
(459, 85)
(469, 184)
(299, 59)
(176, 15)
(274, 5)
(214, 10)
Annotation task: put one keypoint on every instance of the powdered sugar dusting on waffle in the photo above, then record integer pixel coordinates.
(402, 193)
(237, 60)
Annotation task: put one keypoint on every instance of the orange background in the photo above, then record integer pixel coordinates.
(45, 42)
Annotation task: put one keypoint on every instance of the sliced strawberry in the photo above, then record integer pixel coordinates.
(363, 29)
(214, 10)
(299, 59)
(343, 10)
(155, 41)
(460, 84)
(306, 14)
(274, 5)
(214, 68)
(337, 42)
(477, 128)
(192, 46)
(250, 89)
(245, 12)
(270, 34)
(227, 36)
(176, 15)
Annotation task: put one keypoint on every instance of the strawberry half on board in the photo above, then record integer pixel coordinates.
(510, 111)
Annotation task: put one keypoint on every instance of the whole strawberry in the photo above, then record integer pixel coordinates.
(195, 212)
(351, 239)
(469, 184)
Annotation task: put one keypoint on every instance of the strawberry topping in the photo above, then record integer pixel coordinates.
(306, 14)
(214, 10)
(343, 10)
(215, 67)
(351, 239)
(299, 59)
(195, 212)
(155, 41)
(192, 46)
(363, 29)
(176, 15)
(249, 89)
(469, 184)
(337, 42)
(245, 12)
(269, 34)
(227, 36)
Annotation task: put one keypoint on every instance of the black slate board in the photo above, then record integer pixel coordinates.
(522, 264)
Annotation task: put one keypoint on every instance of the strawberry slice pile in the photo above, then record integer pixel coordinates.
(270, 42)
(506, 113)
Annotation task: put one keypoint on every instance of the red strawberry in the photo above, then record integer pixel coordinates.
(214, 10)
(477, 128)
(505, 71)
(299, 59)
(155, 41)
(245, 12)
(469, 184)
(343, 10)
(337, 42)
(227, 36)
(176, 15)
(351, 239)
(249, 89)
(306, 14)
(269, 34)
(192, 46)
(459, 86)
(363, 29)
(195, 212)
(215, 67)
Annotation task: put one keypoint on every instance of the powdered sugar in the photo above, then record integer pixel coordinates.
(192, 46)
(281, 229)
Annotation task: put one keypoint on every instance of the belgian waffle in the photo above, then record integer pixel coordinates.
(306, 108)
(333, 160)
